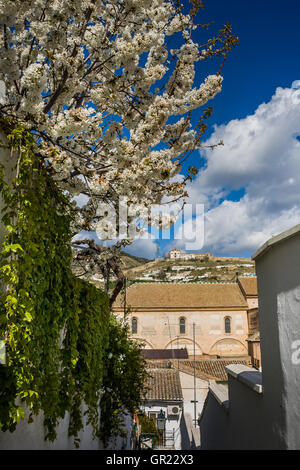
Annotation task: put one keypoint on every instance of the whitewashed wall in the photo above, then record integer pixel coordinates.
(32, 436)
(172, 424)
(251, 414)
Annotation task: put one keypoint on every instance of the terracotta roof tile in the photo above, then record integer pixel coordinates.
(165, 353)
(183, 295)
(158, 364)
(248, 285)
(208, 369)
(163, 384)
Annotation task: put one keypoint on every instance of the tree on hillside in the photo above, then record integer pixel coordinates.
(162, 275)
(108, 101)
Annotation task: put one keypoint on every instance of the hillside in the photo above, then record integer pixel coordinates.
(212, 269)
(194, 270)
(129, 261)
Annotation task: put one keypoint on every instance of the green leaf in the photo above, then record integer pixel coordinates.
(28, 316)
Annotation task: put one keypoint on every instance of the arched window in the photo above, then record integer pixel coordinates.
(134, 325)
(182, 326)
(227, 325)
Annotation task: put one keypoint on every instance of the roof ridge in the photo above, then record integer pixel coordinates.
(184, 283)
(197, 294)
(247, 277)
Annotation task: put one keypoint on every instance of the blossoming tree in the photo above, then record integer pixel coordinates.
(93, 103)
(107, 100)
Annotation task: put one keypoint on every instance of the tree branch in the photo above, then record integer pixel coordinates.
(112, 264)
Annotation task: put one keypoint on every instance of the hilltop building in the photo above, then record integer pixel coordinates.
(162, 316)
(176, 254)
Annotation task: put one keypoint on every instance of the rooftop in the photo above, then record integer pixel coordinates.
(165, 353)
(293, 231)
(209, 369)
(248, 285)
(200, 295)
(159, 365)
(163, 384)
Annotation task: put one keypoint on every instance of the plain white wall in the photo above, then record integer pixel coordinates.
(270, 420)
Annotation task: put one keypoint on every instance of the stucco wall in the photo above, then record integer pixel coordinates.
(213, 425)
(160, 330)
(245, 424)
(189, 432)
(32, 437)
(268, 420)
(187, 385)
(190, 435)
(279, 304)
(252, 302)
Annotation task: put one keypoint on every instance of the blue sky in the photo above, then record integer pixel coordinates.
(250, 186)
(267, 56)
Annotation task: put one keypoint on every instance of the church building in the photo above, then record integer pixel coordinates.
(170, 315)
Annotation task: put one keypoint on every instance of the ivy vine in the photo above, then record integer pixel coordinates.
(65, 351)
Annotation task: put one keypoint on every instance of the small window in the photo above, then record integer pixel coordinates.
(134, 326)
(182, 326)
(227, 325)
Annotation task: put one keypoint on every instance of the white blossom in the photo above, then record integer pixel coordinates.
(96, 83)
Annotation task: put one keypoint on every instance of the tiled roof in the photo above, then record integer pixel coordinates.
(208, 369)
(183, 295)
(159, 365)
(249, 285)
(163, 384)
(165, 353)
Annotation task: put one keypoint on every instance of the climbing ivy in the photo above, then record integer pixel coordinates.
(123, 381)
(65, 351)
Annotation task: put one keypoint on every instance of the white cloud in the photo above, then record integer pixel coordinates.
(84, 235)
(296, 84)
(261, 154)
(144, 248)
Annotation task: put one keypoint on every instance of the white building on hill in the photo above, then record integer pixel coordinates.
(178, 254)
